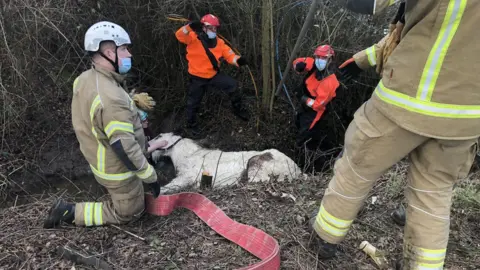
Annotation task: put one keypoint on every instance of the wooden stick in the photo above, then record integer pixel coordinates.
(305, 26)
(75, 256)
(127, 232)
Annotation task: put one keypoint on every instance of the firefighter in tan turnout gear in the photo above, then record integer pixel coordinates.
(426, 107)
(107, 125)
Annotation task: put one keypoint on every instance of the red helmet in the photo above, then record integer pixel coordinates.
(324, 51)
(210, 19)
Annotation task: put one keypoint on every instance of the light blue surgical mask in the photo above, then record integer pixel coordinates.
(124, 65)
(211, 34)
(320, 64)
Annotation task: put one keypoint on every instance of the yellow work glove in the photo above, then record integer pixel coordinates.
(144, 101)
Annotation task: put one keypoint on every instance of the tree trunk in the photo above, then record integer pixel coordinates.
(266, 92)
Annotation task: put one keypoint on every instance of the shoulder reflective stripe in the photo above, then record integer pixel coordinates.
(185, 30)
(98, 210)
(110, 176)
(75, 83)
(372, 56)
(435, 59)
(426, 107)
(88, 214)
(147, 173)
(96, 102)
(101, 157)
(93, 107)
(118, 126)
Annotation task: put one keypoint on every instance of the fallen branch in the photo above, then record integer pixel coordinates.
(76, 257)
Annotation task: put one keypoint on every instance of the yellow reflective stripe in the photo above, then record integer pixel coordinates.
(430, 254)
(330, 229)
(88, 214)
(339, 223)
(426, 107)
(392, 2)
(75, 83)
(118, 126)
(372, 56)
(429, 266)
(111, 176)
(93, 107)
(147, 173)
(435, 59)
(98, 214)
(101, 158)
(332, 225)
(96, 102)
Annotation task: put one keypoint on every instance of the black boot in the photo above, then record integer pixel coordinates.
(398, 216)
(60, 211)
(324, 249)
(240, 111)
(238, 107)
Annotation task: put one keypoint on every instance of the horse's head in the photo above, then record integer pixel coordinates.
(171, 139)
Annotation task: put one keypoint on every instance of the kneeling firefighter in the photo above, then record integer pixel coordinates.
(107, 125)
(426, 107)
(204, 51)
(316, 91)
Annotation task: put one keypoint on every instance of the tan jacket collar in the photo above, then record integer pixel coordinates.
(110, 74)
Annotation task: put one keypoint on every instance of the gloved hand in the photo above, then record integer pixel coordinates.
(241, 61)
(196, 26)
(155, 187)
(349, 69)
(144, 101)
(300, 67)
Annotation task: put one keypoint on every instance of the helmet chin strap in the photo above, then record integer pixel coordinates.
(114, 64)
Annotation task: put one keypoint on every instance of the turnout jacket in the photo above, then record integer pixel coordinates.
(107, 125)
(429, 84)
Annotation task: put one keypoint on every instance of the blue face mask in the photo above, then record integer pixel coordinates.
(211, 35)
(124, 65)
(320, 64)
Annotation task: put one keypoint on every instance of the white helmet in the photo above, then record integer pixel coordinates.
(103, 31)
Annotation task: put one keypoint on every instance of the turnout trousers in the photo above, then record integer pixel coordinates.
(127, 203)
(373, 144)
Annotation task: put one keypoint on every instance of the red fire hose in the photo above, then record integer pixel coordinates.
(253, 240)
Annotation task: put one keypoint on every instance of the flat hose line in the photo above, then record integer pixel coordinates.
(253, 240)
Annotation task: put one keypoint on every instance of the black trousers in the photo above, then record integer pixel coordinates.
(197, 89)
(304, 119)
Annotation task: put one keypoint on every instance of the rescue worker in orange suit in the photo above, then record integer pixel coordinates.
(108, 127)
(317, 90)
(204, 51)
(426, 107)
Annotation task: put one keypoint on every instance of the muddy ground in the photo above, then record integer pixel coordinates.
(182, 241)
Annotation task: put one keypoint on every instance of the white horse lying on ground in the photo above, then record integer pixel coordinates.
(226, 168)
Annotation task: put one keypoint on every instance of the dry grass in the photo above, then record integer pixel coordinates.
(182, 241)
